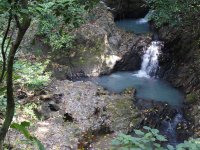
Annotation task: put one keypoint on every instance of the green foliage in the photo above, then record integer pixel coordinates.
(150, 140)
(28, 110)
(143, 141)
(175, 12)
(22, 128)
(192, 144)
(58, 18)
(31, 75)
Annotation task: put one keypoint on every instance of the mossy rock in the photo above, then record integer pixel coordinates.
(191, 98)
(123, 114)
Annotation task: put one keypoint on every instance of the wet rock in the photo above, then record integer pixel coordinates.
(180, 66)
(184, 130)
(131, 61)
(163, 116)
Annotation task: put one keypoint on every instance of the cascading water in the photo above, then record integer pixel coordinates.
(145, 81)
(168, 128)
(148, 69)
(150, 60)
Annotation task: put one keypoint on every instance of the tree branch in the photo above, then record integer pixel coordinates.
(17, 21)
(3, 46)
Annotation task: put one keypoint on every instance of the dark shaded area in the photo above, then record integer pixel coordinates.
(131, 61)
(68, 117)
(169, 120)
(127, 8)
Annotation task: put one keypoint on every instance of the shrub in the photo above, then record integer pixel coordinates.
(150, 140)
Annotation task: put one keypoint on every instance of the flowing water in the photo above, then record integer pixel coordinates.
(150, 60)
(135, 25)
(148, 87)
(145, 81)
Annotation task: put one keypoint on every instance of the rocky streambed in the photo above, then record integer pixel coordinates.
(75, 114)
(83, 114)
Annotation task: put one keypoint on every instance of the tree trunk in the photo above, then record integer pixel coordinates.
(10, 97)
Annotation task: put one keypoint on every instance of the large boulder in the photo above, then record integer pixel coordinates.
(132, 60)
(98, 45)
(128, 8)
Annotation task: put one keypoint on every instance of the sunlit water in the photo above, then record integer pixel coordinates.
(147, 88)
(135, 25)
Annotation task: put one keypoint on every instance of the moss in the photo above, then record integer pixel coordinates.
(123, 114)
(191, 98)
(89, 54)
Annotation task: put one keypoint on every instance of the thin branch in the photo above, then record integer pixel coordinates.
(9, 41)
(3, 46)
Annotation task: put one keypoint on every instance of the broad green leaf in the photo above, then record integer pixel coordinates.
(25, 124)
(170, 147)
(138, 132)
(147, 128)
(21, 129)
(39, 144)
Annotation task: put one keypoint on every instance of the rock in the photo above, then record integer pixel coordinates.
(180, 66)
(55, 97)
(103, 142)
(46, 97)
(90, 110)
(191, 98)
(97, 46)
(128, 8)
(21, 95)
(184, 130)
(53, 106)
(68, 117)
(131, 60)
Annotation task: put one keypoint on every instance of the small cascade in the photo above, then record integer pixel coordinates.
(144, 20)
(149, 65)
(138, 26)
(169, 128)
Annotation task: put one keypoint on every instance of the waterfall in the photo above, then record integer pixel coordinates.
(149, 65)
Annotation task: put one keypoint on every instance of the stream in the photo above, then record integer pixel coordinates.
(148, 86)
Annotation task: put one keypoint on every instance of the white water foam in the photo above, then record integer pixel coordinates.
(150, 60)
